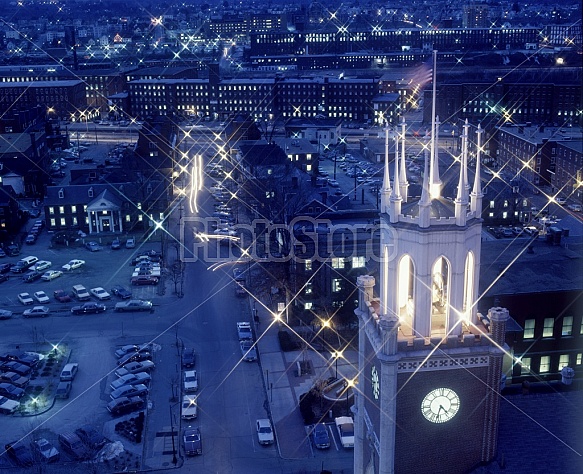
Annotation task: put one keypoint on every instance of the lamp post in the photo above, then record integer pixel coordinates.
(174, 459)
(336, 365)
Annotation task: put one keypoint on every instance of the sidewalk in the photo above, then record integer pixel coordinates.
(284, 387)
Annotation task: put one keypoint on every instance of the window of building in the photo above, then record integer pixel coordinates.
(529, 329)
(545, 364)
(336, 285)
(53, 223)
(61, 193)
(548, 327)
(140, 217)
(492, 204)
(358, 262)
(337, 262)
(579, 359)
(567, 329)
(128, 218)
(525, 366)
(74, 221)
(308, 288)
(52, 211)
(308, 265)
(73, 209)
(61, 209)
(63, 221)
(563, 361)
(308, 305)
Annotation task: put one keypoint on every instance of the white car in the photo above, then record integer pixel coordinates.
(42, 265)
(8, 406)
(190, 381)
(100, 293)
(264, 431)
(345, 427)
(25, 298)
(189, 409)
(73, 264)
(51, 275)
(41, 297)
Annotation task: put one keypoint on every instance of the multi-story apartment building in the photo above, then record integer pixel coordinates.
(568, 176)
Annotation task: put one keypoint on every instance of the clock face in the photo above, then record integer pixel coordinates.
(375, 382)
(440, 405)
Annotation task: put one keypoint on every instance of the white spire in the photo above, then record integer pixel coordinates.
(461, 201)
(386, 189)
(403, 176)
(396, 199)
(434, 182)
(477, 194)
(425, 201)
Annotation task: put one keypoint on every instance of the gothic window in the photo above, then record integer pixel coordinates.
(406, 295)
(440, 276)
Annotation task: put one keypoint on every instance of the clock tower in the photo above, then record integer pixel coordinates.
(430, 369)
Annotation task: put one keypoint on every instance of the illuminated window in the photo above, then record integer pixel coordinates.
(52, 211)
(358, 262)
(525, 366)
(309, 289)
(140, 217)
(563, 361)
(528, 329)
(545, 364)
(73, 209)
(53, 223)
(127, 218)
(63, 221)
(308, 305)
(548, 327)
(337, 263)
(336, 285)
(579, 359)
(308, 266)
(567, 329)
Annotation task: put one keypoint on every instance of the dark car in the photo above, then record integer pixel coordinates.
(32, 276)
(134, 357)
(116, 245)
(321, 436)
(30, 359)
(91, 437)
(124, 405)
(133, 305)
(3, 277)
(89, 308)
(62, 296)
(14, 366)
(30, 239)
(129, 349)
(73, 445)
(192, 441)
(188, 357)
(121, 292)
(20, 454)
(144, 280)
(11, 391)
(5, 267)
(45, 450)
(129, 391)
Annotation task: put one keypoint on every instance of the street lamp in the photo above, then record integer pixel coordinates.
(174, 459)
(337, 355)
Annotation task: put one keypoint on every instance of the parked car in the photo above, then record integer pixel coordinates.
(190, 381)
(73, 445)
(62, 296)
(42, 265)
(63, 390)
(32, 276)
(5, 314)
(11, 391)
(45, 450)
(133, 305)
(37, 312)
(27, 358)
(5, 267)
(144, 280)
(138, 390)
(8, 406)
(51, 275)
(121, 292)
(143, 378)
(192, 441)
(4, 277)
(92, 438)
(14, 366)
(30, 239)
(92, 246)
(135, 357)
(264, 431)
(320, 436)
(134, 367)
(123, 405)
(248, 350)
(116, 244)
(73, 264)
(130, 243)
(15, 379)
(129, 349)
(188, 357)
(345, 427)
(89, 308)
(189, 408)
(20, 454)
(41, 297)
(100, 293)
(69, 372)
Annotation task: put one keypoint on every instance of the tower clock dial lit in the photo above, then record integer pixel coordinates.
(375, 382)
(440, 405)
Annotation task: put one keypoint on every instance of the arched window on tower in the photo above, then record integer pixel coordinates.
(406, 295)
(468, 302)
(440, 275)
